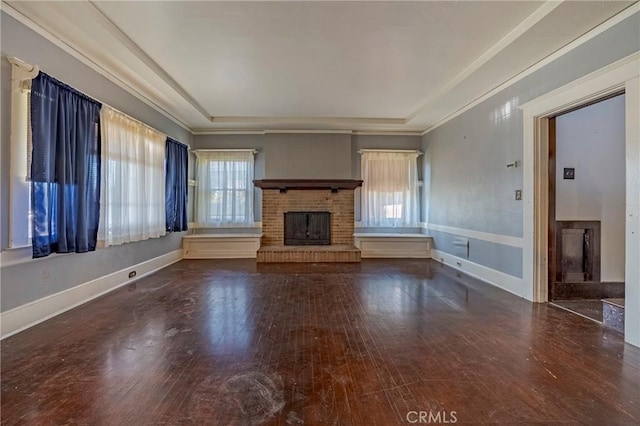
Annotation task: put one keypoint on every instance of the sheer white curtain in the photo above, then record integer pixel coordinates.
(133, 181)
(224, 194)
(390, 189)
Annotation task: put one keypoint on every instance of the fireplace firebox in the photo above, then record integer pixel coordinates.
(307, 228)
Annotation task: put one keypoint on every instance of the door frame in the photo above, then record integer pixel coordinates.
(622, 75)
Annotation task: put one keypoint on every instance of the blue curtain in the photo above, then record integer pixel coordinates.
(176, 164)
(65, 168)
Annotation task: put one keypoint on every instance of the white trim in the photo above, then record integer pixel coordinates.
(404, 246)
(23, 19)
(632, 222)
(309, 119)
(18, 255)
(505, 240)
(221, 246)
(196, 151)
(36, 69)
(17, 319)
(307, 131)
(200, 132)
(590, 87)
(387, 133)
(401, 151)
(527, 24)
(19, 209)
(611, 22)
(621, 75)
(392, 235)
(221, 236)
(197, 225)
(141, 54)
(499, 279)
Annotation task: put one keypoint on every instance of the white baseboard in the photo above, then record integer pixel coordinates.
(17, 319)
(499, 279)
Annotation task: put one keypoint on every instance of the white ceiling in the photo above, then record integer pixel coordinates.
(394, 66)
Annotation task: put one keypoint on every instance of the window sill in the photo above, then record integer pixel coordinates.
(18, 255)
(195, 225)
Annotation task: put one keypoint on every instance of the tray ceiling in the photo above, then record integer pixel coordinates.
(394, 66)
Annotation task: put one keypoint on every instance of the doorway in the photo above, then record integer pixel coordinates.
(586, 235)
(623, 74)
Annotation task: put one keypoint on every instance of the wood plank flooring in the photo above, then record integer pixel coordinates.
(382, 342)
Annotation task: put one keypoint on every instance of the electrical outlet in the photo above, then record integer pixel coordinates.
(132, 274)
(518, 194)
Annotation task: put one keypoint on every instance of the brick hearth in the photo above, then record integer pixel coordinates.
(336, 197)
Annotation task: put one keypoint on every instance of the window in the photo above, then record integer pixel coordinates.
(390, 189)
(225, 188)
(20, 192)
(133, 180)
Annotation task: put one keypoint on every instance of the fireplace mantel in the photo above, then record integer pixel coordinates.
(302, 184)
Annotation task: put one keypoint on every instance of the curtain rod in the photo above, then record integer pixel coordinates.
(360, 151)
(35, 69)
(255, 151)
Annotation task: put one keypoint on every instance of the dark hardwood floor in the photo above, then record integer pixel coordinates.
(232, 342)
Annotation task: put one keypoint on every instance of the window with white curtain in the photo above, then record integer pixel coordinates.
(224, 192)
(133, 181)
(390, 189)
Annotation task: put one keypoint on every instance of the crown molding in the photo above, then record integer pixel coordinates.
(387, 133)
(308, 131)
(200, 132)
(129, 44)
(609, 23)
(301, 119)
(524, 26)
(204, 132)
(46, 34)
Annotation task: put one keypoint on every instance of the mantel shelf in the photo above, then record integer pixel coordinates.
(302, 184)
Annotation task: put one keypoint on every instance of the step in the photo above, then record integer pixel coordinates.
(308, 254)
(613, 314)
(587, 290)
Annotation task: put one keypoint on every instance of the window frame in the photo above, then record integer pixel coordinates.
(110, 234)
(390, 219)
(19, 181)
(248, 189)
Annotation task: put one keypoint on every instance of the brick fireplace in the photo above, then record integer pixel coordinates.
(335, 197)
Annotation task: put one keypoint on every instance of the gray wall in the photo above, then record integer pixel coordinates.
(383, 142)
(309, 156)
(471, 188)
(22, 283)
(592, 141)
